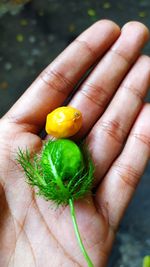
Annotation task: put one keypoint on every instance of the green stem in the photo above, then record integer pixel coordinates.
(73, 216)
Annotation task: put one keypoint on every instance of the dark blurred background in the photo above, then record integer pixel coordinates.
(32, 34)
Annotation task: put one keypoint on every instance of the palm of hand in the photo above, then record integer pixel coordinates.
(31, 233)
(33, 227)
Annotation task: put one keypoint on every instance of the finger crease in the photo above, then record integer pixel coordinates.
(52, 85)
(60, 77)
(93, 100)
(143, 138)
(114, 129)
(118, 53)
(135, 92)
(87, 46)
(96, 94)
(55, 84)
(128, 174)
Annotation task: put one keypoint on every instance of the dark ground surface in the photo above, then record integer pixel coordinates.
(30, 38)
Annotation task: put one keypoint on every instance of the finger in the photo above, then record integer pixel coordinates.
(55, 83)
(110, 132)
(97, 90)
(117, 188)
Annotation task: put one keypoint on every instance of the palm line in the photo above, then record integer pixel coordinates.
(21, 226)
(54, 237)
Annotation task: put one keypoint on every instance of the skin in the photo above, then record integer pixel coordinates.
(117, 129)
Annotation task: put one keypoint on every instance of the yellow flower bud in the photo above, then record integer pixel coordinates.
(63, 122)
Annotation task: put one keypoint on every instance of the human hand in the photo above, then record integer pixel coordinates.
(117, 130)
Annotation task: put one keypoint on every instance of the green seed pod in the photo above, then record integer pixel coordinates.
(61, 158)
(62, 172)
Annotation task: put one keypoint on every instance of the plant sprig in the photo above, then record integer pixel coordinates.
(63, 173)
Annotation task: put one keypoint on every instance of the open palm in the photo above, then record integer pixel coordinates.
(116, 126)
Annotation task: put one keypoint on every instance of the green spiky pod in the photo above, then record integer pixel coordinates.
(63, 172)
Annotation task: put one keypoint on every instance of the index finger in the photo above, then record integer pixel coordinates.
(55, 83)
